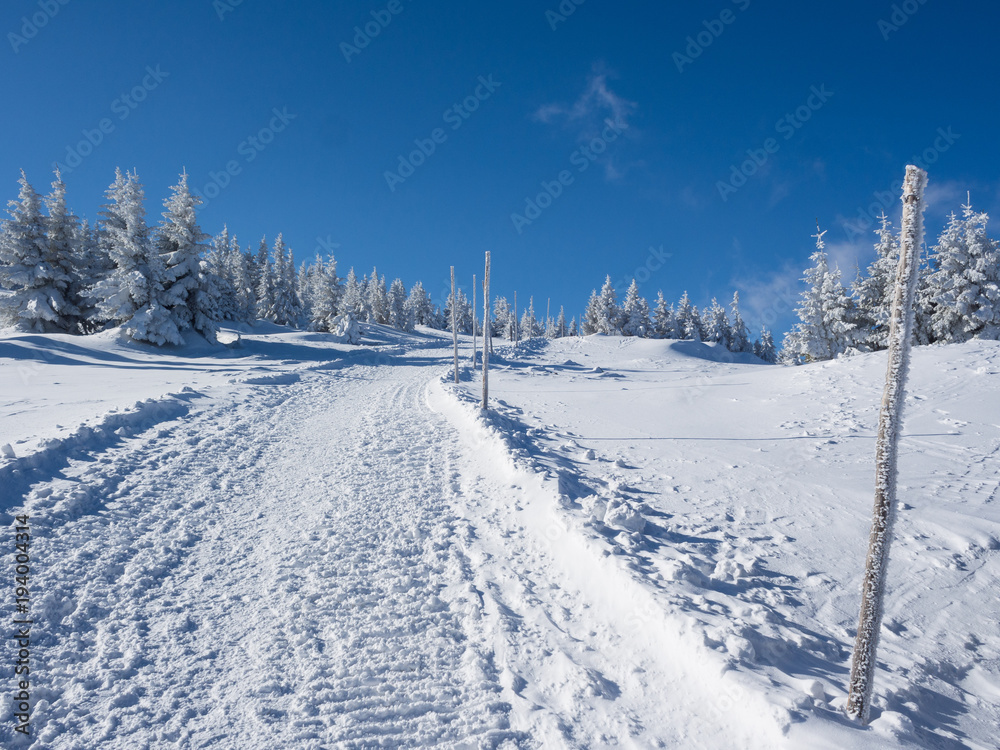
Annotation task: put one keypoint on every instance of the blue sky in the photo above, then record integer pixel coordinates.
(289, 123)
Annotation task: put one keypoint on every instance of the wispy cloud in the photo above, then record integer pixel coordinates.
(597, 103)
(768, 299)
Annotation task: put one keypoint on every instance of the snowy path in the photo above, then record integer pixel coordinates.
(276, 572)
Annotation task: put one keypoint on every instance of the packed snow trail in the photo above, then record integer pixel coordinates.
(278, 571)
(337, 559)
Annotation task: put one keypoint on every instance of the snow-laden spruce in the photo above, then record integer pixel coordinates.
(35, 263)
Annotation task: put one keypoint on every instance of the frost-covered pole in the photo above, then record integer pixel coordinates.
(517, 328)
(900, 332)
(487, 338)
(473, 322)
(454, 327)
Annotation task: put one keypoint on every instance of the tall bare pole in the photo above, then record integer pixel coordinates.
(454, 319)
(890, 418)
(517, 326)
(473, 322)
(486, 334)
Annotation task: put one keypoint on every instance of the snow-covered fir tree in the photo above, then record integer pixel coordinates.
(572, 328)
(419, 306)
(635, 313)
(560, 329)
(377, 299)
(664, 323)
(351, 301)
(739, 335)
(827, 323)
(503, 319)
(286, 304)
(92, 266)
(239, 272)
(180, 243)
(873, 291)
(592, 316)
(36, 283)
(685, 319)
(609, 314)
(400, 316)
(764, 347)
(962, 295)
(265, 284)
(717, 328)
(530, 327)
(64, 254)
(132, 295)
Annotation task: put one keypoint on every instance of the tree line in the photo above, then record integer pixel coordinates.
(957, 298)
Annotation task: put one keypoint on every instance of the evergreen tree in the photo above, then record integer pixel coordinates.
(764, 347)
(530, 327)
(963, 292)
(400, 315)
(132, 295)
(502, 319)
(874, 291)
(62, 235)
(572, 327)
(664, 324)
(717, 328)
(560, 329)
(36, 284)
(93, 265)
(739, 335)
(239, 272)
(351, 301)
(635, 313)
(827, 323)
(685, 323)
(265, 284)
(693, 329)
(180, 243)
(419, 307)
(218, 265)
(377, 299)
(609, 314)
(284, 309)
(592, 315)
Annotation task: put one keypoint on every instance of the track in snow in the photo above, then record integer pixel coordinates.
(277, 571)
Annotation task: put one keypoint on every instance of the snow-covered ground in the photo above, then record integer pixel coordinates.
(288, 542)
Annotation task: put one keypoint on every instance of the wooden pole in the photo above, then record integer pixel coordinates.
(487, 338)
(890, 417)
(454, 326)
(473, 322)
(517, 327)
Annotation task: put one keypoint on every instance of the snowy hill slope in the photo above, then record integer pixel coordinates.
(756, 485)
(318, 545)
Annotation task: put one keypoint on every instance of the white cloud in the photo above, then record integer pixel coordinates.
(597, 103)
